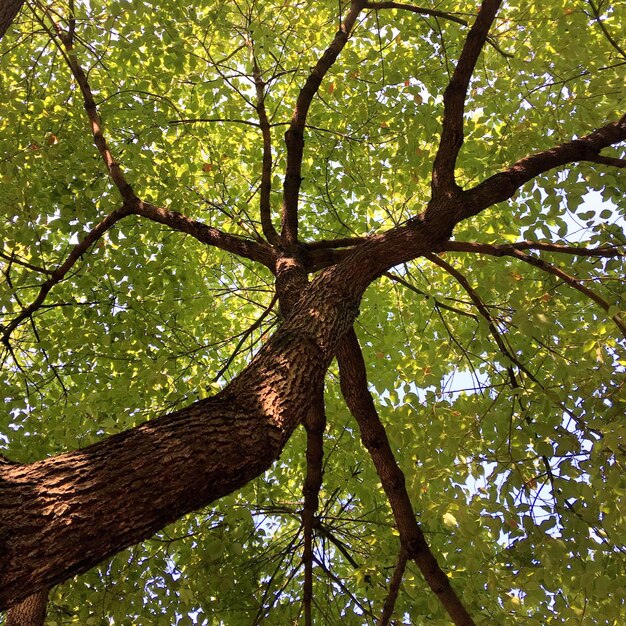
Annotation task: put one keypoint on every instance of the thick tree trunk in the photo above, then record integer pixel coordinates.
(8, 10)
(29, 612)
(63, 515)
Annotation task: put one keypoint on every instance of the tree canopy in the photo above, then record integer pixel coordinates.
(400, 225)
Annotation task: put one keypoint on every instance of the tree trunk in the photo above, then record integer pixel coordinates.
(29, 612)
(8, 10)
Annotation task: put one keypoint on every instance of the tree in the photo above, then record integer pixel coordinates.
(184, 287)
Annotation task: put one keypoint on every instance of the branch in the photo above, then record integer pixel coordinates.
(513, 250)
(113, 167)
(314, 423)
(294, 137)
(507, 249)
(414, 9)
(482, 309)
(266, 173)
(61, 271)
(29, 612)
(443, 181)
(247, 248)
(427, 296)
(8, 11)
(394, 588)
(503, 185)
(353, 380)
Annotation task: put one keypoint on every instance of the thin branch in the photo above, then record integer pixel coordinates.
(415, 9)
(61, 271)
(443, 180)
(601, 24)
(507, 249)
(514, 251)
(482, 309)
(414, 289)
(13, 258)
(572, 282)
(244, 336)
(450, 17)
(353, 380)
(294, 137)
(205, 120)
(394, 588)
(315, 424)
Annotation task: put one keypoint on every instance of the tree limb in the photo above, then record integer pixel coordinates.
(266, 173)
(443, 179)
(314, 423)
(503, 185)
(394, 588)
(61, 271)
(515, 251)
(8, 11)
(353, 380)
(294, 137)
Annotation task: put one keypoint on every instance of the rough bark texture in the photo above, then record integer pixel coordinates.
(29, 612)
(63, 515)
(8, 10)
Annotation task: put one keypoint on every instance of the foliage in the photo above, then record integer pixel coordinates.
(518, 483)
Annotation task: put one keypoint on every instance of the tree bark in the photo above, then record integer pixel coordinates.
(8, 10)
(63, 515)
(29, 612)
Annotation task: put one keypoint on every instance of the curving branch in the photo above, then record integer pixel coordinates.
(515, 251)
(482, 309)
(353, 380)
(443, 180)
(294, 137)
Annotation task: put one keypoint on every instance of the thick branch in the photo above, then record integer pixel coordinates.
(247, 248)
(443, 181)
(354, 387)
(113, 167)
(29, 612)
(294, 137)
(503, 185)
(8, 11)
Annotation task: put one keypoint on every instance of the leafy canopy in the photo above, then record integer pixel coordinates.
(499, 383)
